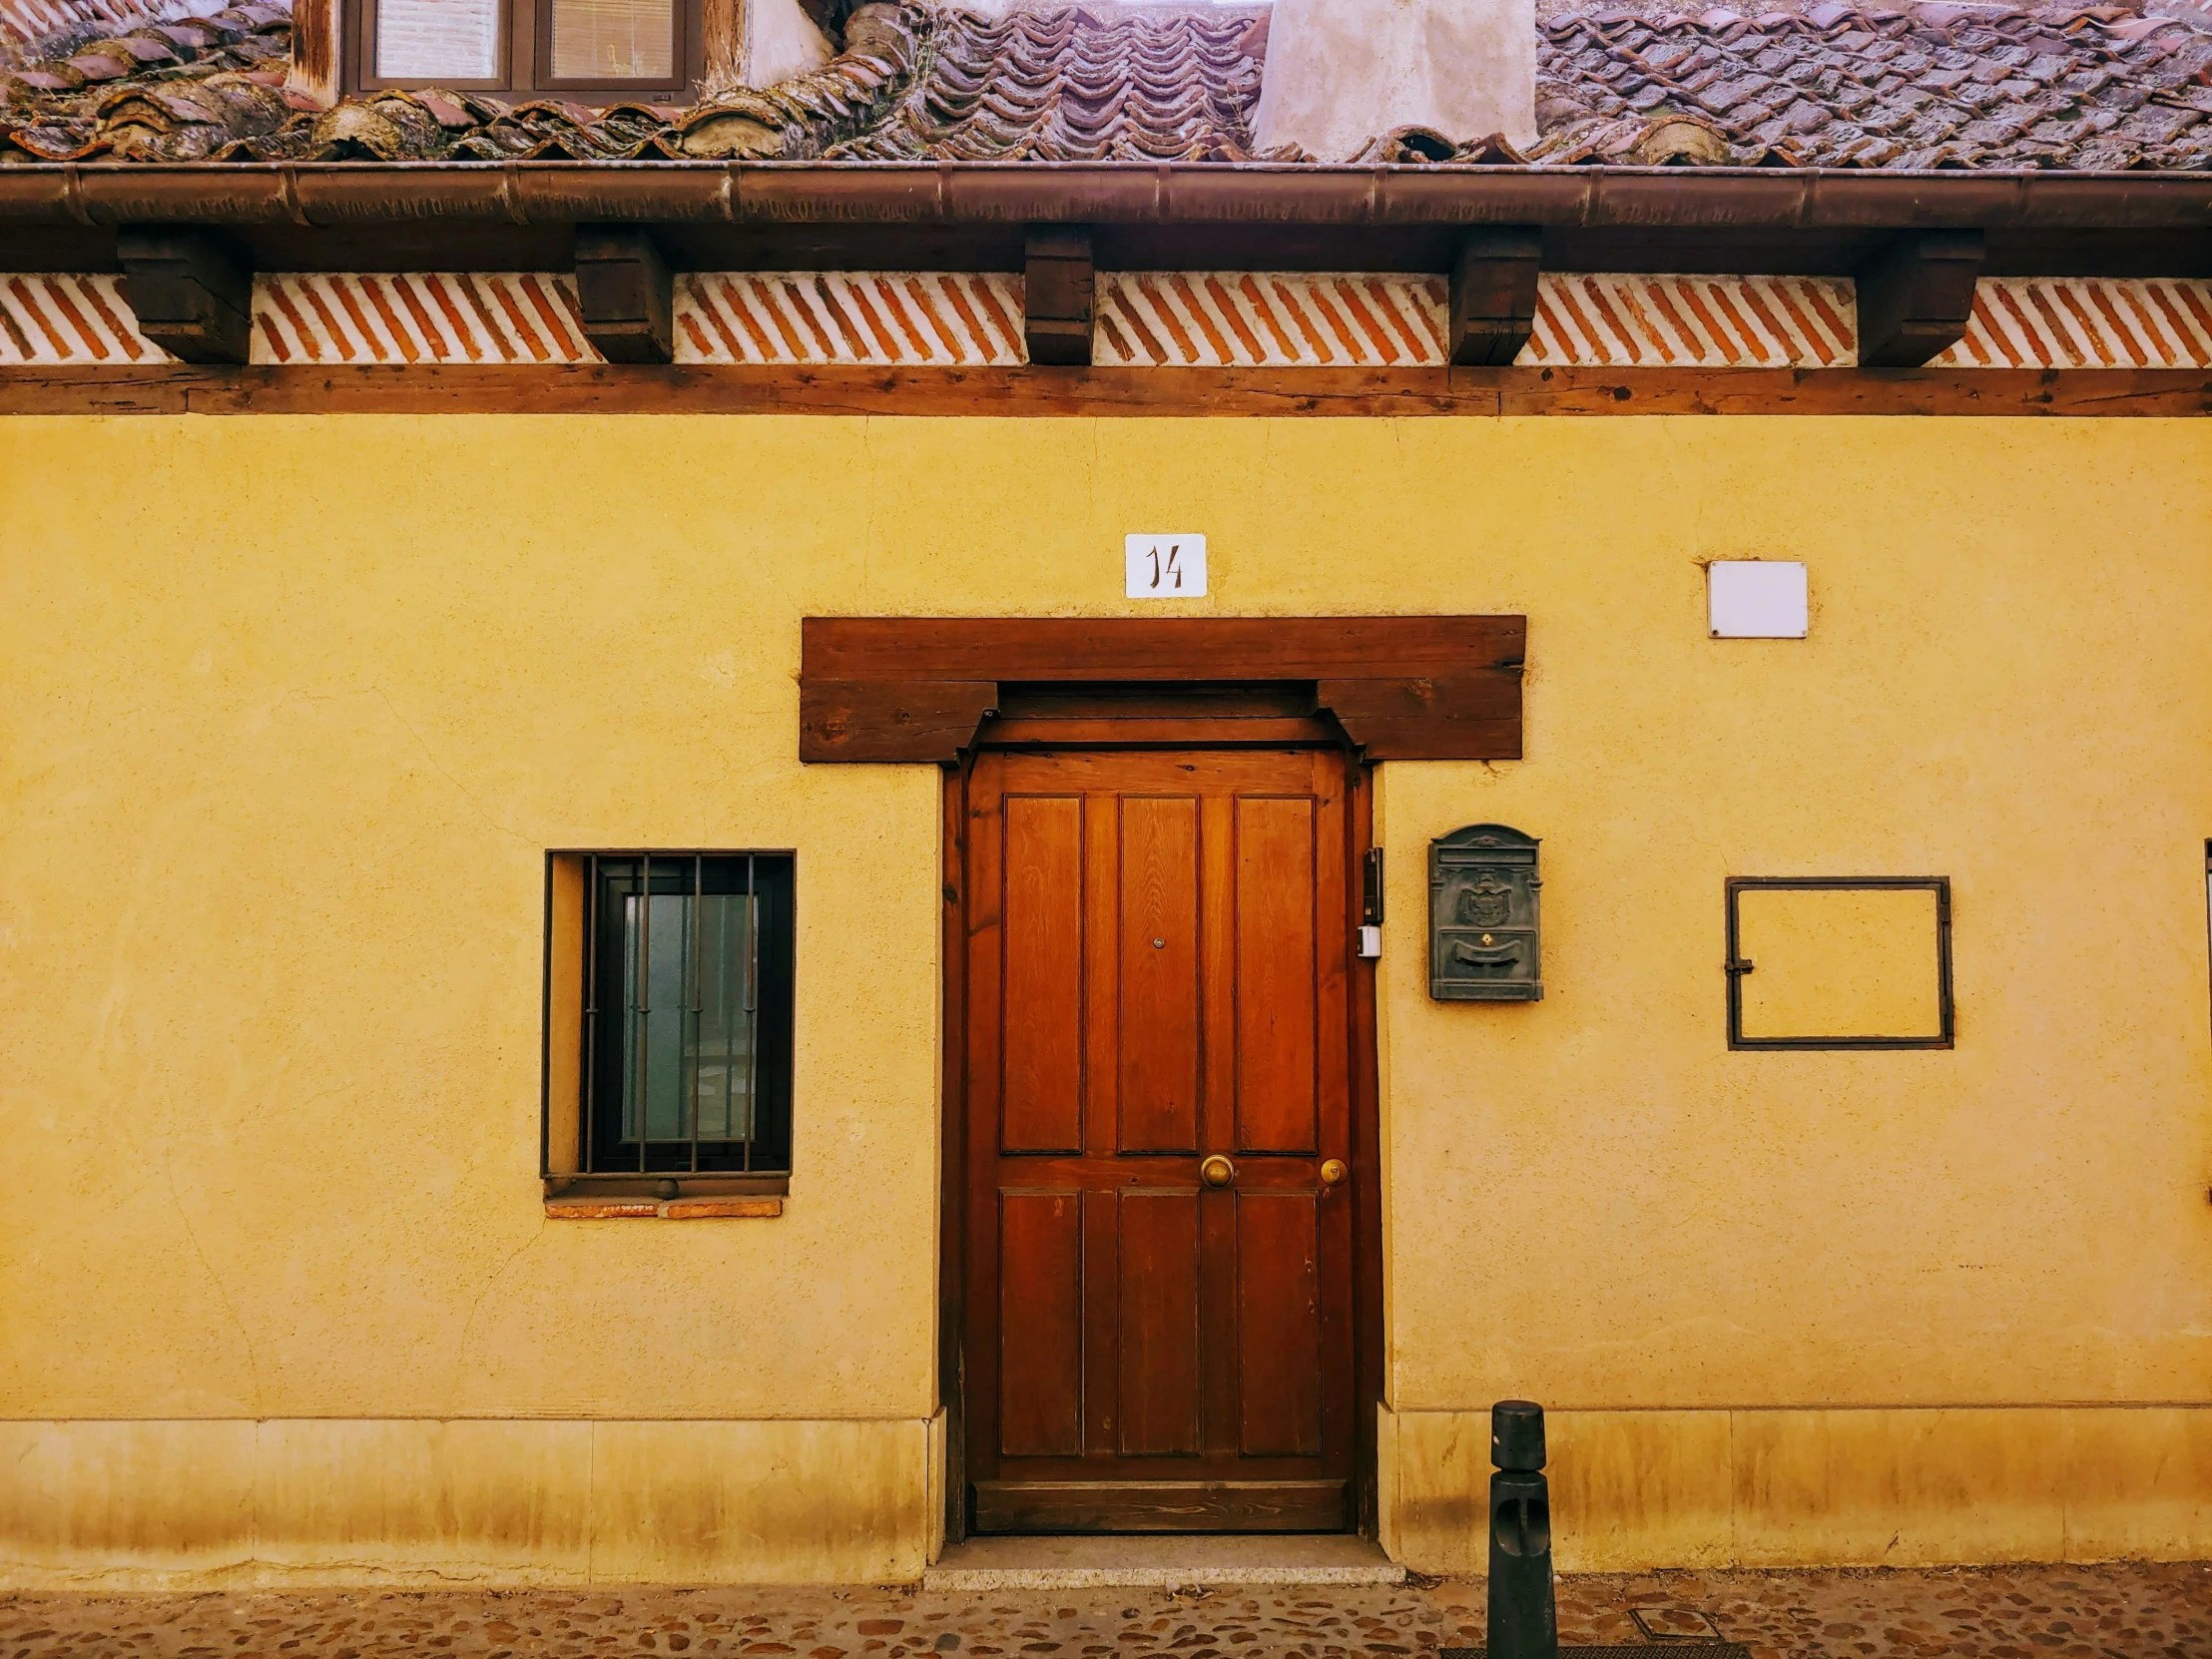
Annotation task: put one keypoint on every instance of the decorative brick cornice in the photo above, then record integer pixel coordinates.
(2093, 323)
(1145, 320)
(70, 319)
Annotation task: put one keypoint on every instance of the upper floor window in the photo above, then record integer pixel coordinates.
(587, 51)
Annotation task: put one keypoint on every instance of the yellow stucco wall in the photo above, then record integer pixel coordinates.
(294, 707)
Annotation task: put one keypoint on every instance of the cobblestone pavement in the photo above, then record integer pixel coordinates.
(2118, 1612)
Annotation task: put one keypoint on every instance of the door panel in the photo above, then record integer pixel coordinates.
(1159, 1326)
(1158, 962)
(1041, 1357)
(1101, 1327)
(1043, 1108)
(1159, 974)
(1278, 1321)
(1278, 1033)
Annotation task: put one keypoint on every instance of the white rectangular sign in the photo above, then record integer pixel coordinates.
(1757, 599)
(1165, 567)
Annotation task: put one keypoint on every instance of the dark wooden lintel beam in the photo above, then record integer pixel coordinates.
(1494, 295)
(1914, 301)
(191, 292)
(1473, 716)
(915, 689)
(864, 721)
(1086, 648)
(1060, 290)
(626, 294)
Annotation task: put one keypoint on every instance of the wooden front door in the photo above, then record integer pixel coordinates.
(1158, 1228)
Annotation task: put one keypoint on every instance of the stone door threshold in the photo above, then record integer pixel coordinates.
(1167, 1561)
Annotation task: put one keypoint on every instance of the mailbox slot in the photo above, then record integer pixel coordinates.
(1483, 934)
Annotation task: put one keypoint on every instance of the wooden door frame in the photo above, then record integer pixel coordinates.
(1366, 1182)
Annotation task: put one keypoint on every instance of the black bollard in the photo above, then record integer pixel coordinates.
(1524, 1616)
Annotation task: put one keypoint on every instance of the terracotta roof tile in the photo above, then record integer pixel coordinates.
(1078, 85)
(180, 92)
(1942, 84)
(1833, 85)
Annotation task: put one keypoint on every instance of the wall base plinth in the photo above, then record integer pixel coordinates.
(1896, 1488)
(198, 1504)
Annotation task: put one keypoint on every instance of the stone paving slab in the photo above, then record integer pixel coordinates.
(2159, 1611)
(1045, 1565)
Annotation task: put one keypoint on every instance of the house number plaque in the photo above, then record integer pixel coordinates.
(1482, 930)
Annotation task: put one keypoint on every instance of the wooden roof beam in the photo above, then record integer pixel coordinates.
(1914, 301)
(191, 292)
(1060, 293)
(1494, 295)
(625, 292)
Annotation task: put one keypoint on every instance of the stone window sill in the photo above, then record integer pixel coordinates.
(659, 1198)
(607, 1208)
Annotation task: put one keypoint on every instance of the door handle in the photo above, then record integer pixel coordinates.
(1332, 1172)
(1217, 1170)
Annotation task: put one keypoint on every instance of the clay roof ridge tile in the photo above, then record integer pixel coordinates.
(184, 36)
(142, 48)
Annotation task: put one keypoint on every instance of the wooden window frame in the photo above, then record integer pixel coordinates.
(570, 1143)
(1735, 967)
(526, 59)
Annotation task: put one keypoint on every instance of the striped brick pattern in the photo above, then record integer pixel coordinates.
(1656, 321)
(1145, 319)
(420, 317)
(1236, 319)
(70, 319)
(850, 316)
(2059, 322)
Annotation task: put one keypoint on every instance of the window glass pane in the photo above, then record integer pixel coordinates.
(653, 1033)
(437, 40)
(688, 1046)
(721, 1040)
(614, 40)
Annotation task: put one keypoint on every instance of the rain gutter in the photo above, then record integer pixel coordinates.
(341, 193)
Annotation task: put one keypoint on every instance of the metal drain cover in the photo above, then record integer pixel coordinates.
(1674, 1624)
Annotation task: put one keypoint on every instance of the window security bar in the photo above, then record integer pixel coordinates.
(681, 1016)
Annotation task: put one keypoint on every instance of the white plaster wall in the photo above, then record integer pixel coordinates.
(780, 41)
(1339, 71)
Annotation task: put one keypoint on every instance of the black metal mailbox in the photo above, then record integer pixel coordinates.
(1484, 937)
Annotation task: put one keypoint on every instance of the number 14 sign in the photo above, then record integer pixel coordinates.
(1167, 567)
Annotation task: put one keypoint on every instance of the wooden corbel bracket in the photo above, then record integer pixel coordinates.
(1060, 290)
(1916, 299)
(191, 292)
(1494, 295)
(626, 294)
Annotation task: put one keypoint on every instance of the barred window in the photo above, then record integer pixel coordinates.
(668, 1022)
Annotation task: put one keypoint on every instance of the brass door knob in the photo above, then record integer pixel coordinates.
(1333, 1171)
(1217, 1170)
